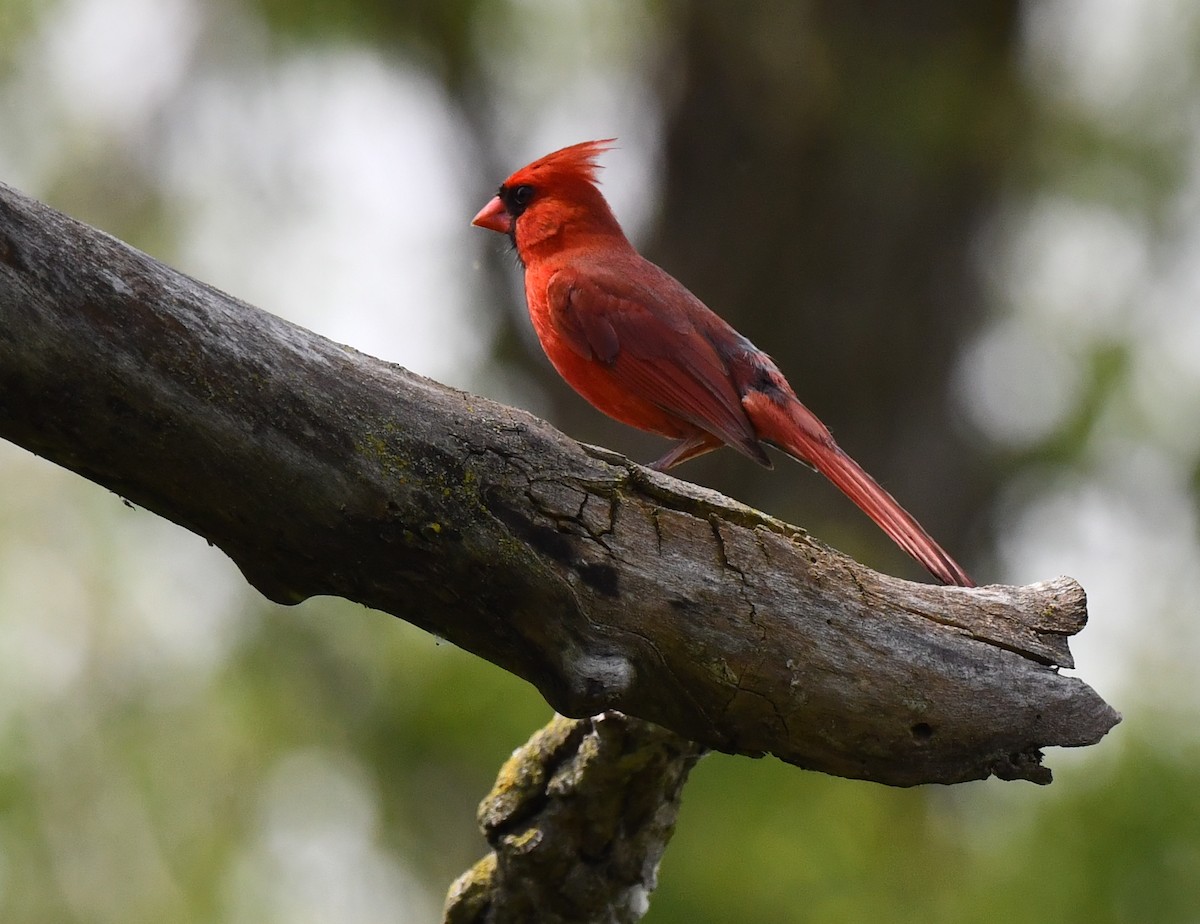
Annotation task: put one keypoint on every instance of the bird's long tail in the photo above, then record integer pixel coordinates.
(796, 430)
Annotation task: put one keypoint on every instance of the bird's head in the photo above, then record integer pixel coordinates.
(551, 203)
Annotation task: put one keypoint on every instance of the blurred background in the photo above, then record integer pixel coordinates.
(968, 232)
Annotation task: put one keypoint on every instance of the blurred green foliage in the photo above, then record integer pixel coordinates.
(851, 183)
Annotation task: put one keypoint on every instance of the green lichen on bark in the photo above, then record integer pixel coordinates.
(577, 822)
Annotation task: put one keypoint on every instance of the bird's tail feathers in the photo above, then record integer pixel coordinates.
(797, 431)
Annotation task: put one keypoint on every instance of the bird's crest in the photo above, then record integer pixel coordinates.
(576, 161)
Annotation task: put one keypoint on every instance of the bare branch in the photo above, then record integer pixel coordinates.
(319, 470)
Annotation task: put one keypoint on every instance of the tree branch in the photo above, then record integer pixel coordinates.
(577, 822)
(319, 470)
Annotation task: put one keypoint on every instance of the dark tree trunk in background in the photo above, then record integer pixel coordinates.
(827, 167)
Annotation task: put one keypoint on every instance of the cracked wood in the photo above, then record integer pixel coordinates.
(319, 470)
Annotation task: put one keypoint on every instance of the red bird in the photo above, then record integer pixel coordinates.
(643, 349)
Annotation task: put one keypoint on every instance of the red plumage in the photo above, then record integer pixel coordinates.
(639, 346)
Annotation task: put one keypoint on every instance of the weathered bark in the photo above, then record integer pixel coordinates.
(577, 822)
(322, 471)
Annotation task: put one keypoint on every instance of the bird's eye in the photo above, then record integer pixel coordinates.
(521, 195)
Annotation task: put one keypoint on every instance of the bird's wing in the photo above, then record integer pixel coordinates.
(643, 332)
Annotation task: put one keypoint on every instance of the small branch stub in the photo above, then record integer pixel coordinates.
(577, 822)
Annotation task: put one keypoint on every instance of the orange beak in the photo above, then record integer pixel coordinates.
(493, 217)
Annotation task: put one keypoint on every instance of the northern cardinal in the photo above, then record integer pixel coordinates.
(643, 349)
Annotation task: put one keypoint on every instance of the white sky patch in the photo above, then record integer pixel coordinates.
(316, 855)
(1018, 385)
(1075, 264)
(89, 584)
(88, 47)
(1123, 61)
(1165, 384)
(97, 71)
(175, 621)
(327, 188)
(45, 633)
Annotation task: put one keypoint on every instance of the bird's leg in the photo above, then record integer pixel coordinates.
(689, 448)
